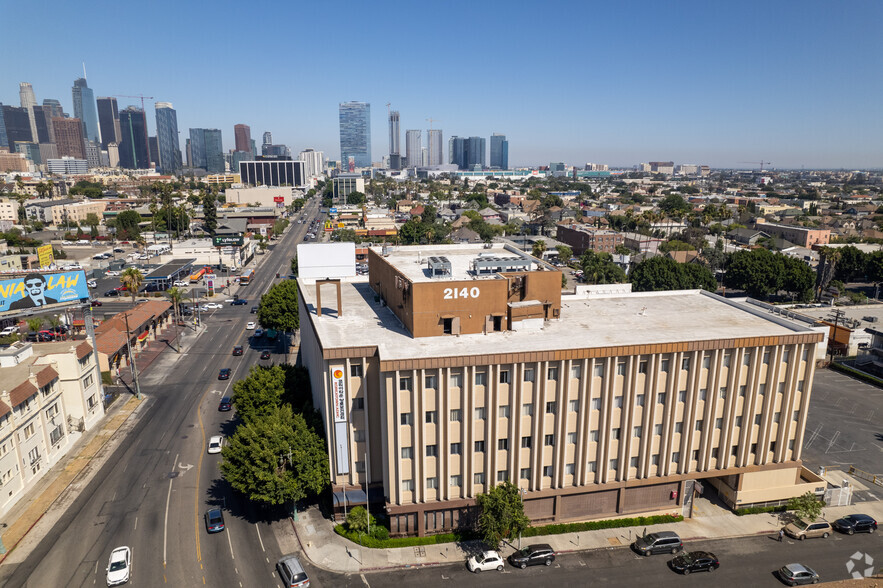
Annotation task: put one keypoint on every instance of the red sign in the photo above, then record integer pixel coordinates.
(278, 198)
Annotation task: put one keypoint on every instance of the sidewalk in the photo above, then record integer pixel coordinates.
(329, 551)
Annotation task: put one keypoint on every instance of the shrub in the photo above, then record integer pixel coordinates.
(106, 378)
(758, 510)
(557, 529)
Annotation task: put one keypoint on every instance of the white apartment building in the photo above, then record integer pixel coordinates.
(52, 392)
(314, 162)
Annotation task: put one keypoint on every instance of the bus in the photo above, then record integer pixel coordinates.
(197, 275)
(246, 276)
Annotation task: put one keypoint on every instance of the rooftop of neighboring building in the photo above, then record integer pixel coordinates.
(413, 262)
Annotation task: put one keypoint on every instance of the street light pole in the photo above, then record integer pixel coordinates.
(132, 358)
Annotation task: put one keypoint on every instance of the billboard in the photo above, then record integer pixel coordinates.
(44, 254)
(228, 240)
(338, 396)
(35, 290)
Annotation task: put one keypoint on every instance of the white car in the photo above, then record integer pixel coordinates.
(230, 300)
(181, 283)
(488, 560)
(215, 444)
(112, 273)
(67, 242)
(250, 326)
(214, 305)
(119, 566)
(92, 284)
(84, 242)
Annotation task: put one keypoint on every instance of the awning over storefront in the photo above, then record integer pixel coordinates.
(143, 335)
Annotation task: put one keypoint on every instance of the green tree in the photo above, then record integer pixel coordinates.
(92, 221)
(501, 514)
(798, 280)
(259, 393)
(675, 245)
(599, 268)
(758, 271)
(128, 224)
(698, 276)
(807, 506)
(278, 307)
(674, 205)
(132, 278)
(355, 198)
(35, 323)
(176, 295)
(622, 250)
(874, 266)
(276, 459)
(357, 520)
(564, 253)
(852, 265)
(209, 213)
(294, 265)
(539, 248)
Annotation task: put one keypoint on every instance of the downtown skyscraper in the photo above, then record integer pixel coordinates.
(395, 154)
(242, 137)
(355, 134)
(167, 139)
(134, 151)
(108, 121)
(435, 146)
(414, 148)
(84, 109)
(207, 150)
(28, 102)
(499, 152)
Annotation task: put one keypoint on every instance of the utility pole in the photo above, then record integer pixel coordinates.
(838, 314)
(132, 358)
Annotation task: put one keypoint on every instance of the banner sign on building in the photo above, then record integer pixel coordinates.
(36, 290)
(44, 254)
(228, 240)
(279, 199)
(338, 396)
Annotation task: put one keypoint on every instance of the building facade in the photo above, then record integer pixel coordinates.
(84, 109)
(471, 368)
(395, 154)
(108, 121)
(582, 238)
(67, 166)
(272, 173)
(167, 140)
(314, 162)
(499, 152)
(16, 125)
(69, 137)
(242, 138)
(414, 148)
(207, 150)
(28, 102)
(434, 147)
(134, 147)
(355, 133)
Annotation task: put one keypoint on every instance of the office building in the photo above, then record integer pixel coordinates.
(344, 184)
(48, 151)
(69, 137)
(242, 137)
(108, 121)
(84, 109)
(314, 162)
(134, 148)
(28, 102)
(434, 147)
(93, 154)
(413, 148)
(395, 155)
(68, 166)
(268, 138)
(467, 153)
(17, 126)
(272, 173)
(55, 109)
(581, 238)
(499, 152)
(13, 162)
(43, 125)
(153, 148)
(472, 368)
(30, 150)
(167, 139)
(4, 140)
(207, 151)
(355, 134)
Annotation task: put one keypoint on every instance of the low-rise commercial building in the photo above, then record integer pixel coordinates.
(582, 238)
(471, 368)
(801, 236)
(58, 212)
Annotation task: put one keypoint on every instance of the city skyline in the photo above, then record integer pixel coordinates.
(619, 84)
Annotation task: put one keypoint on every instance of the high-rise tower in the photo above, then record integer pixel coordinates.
(108, 121)
(435, 147)
(355, 134)
(242, 136)
(84, 109)
(134, 152)
(268, 138)
(167, 139)
(28, 101)
(395, 154)
(55, 109)
(499, 152)
(413, 147)
(69, 137)
(206, 150)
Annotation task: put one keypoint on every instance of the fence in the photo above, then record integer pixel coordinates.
(872, 478)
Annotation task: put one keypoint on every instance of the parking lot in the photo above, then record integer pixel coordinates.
(843, 427)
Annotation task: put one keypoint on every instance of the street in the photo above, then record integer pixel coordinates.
(152, 492)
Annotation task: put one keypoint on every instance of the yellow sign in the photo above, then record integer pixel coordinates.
(45, 255)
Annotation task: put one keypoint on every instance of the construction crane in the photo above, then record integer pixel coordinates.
(144, 116)
(432, 120)
(760, 163)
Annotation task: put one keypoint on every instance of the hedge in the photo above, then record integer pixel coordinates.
(557, 529)
(857, 374)
(759, 509)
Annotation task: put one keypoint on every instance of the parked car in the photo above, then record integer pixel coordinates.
(798, 574)
(214, 520)
(533, 555)
(215, 443)
(801, 530)
(9, 331)
(237, 350)
(119, 250)
(292, 573)
(111, 293)
(265, 354)
(695, 561)
(226, 404)
(855, 523)
(487, 560)
(45, 335)
(661, 542)
(224, 374)
(119, 566)
(92, 284)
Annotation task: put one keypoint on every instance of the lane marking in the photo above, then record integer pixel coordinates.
(230, 541)
(259, 538)
(365, 580)
(165, 529)
(136, 524)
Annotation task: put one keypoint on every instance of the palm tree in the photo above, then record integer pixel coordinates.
(132, 279)
(35, 323)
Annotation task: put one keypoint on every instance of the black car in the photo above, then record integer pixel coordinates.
(533, 555)
(226, 404)
(855, 523)
(224, 374)
(695, 561)
(254, 310)
(214, 520)
(110, 293)
(237, 350)
(265, 354)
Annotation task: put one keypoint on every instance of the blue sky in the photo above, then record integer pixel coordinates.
(710, 82)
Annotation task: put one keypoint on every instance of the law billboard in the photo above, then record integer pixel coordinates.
(39, 289)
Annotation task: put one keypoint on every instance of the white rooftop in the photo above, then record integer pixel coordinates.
(413, 261)
(586, 321)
